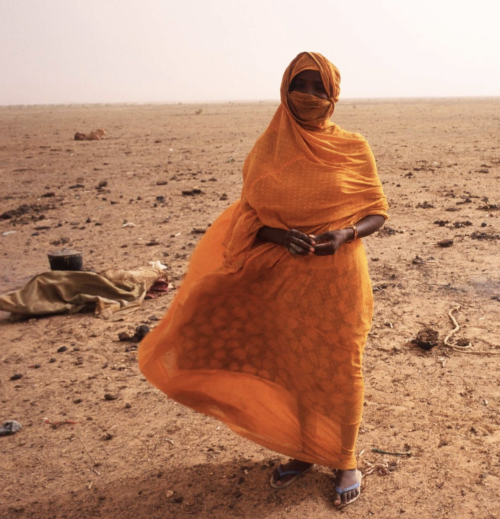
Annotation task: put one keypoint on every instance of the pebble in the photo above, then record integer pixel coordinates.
(141, 331)
(62, 349)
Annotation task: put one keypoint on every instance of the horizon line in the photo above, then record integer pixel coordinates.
(243, 101)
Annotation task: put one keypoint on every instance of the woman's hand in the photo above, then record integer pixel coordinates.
(329, 242)
(299, 244)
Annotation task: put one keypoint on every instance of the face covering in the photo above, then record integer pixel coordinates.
(309, 109)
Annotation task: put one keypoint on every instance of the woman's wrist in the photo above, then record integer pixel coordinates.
(272, 235)
(348, 234)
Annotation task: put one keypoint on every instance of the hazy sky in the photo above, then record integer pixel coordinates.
(100, 51)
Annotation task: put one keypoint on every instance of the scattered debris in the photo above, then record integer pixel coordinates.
(425, 205)
(445, 243)
(61, 241)
(466, 223)
(10, 427)
(404, 453)
(489, 207)
(382, 469)
(34, 211)
(418, 260)
(446, 342)
(481, 235)
(387, 231)
(109, 397)
(17, 376)
(96, 135)
(140, 332)
(55, 425)
(427, 338)
(192, 192)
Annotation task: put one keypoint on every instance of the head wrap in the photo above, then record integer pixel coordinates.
(310, 111)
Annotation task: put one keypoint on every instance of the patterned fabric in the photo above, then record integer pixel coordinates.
(269, 344)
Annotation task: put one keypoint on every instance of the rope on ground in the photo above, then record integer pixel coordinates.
(467, 348)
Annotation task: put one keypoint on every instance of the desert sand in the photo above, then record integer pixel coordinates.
(136, 454)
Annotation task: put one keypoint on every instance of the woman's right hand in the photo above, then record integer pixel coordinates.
(298, 244)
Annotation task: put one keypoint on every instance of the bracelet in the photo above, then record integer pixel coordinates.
(355, 230)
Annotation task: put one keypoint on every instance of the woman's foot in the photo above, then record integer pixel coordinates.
(347, 487)
(284, 475)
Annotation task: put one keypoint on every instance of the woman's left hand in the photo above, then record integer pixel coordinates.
(329, 242)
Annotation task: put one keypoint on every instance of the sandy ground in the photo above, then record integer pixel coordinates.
(142, 455)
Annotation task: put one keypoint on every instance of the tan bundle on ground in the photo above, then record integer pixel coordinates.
(114, 290)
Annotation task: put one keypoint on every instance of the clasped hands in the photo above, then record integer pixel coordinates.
(299, 244)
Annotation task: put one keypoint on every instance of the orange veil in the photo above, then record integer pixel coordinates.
(269, 344)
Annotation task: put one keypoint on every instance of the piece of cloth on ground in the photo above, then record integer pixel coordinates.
(268, 343)
(114, 291)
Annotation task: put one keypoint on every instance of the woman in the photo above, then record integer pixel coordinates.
(268, 329)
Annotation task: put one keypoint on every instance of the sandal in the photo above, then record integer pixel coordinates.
(282, 473)
(341, 491)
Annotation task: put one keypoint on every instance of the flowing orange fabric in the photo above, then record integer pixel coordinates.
(269, 344)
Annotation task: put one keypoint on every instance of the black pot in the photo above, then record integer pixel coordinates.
(66, 259)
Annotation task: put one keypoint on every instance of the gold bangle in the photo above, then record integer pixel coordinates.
(355, 235)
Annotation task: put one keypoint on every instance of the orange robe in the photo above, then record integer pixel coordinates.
(269, 343)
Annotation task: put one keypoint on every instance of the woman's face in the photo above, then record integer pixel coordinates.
(309, 82)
